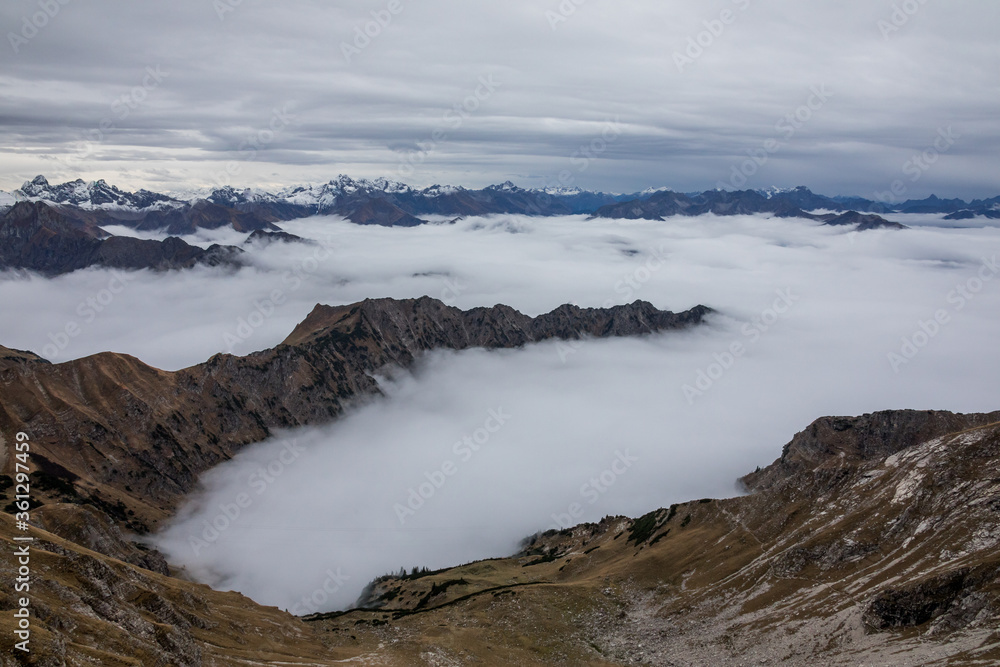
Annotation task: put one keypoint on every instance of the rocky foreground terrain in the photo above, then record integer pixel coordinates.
(871, 540)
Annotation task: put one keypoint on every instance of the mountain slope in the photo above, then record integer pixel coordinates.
(89, 609)
(873, 540)
(131, 440)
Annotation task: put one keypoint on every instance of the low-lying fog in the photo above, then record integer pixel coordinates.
(475, 450)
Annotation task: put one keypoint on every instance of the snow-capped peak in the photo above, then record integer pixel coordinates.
(653, 191)
(561, 192)
(347, 185)
(506, 186)
(439, 190)
(94, 195)
(230, 195)
(772, 191)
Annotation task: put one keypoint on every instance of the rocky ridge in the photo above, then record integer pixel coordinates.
(790, 204)
(385, 202)
(131, 440)
(51, 240)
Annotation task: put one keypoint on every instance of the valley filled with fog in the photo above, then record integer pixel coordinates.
(807, 318)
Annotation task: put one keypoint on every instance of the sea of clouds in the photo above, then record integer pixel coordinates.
(472, 451)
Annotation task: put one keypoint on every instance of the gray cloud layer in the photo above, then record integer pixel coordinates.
(223, 74)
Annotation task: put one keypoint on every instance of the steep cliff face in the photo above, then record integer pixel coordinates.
(855, 440)
(132, 439)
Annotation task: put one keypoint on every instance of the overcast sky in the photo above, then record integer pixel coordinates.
(199, 77)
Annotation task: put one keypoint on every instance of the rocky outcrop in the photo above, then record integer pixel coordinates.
(264, 237)
(89, 527)
(855, 440)
(944, 603)
(861, 222)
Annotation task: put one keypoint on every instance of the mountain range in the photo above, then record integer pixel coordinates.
(870, 540)
(56, 229)
(791, 204)
(386, 202)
